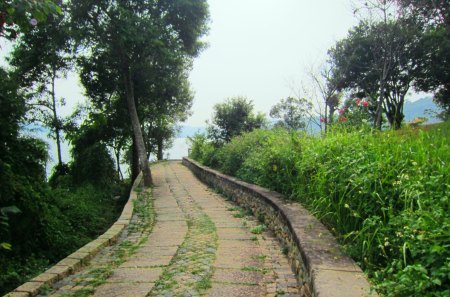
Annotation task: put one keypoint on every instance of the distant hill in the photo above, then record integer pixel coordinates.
(187, 131)
(415, 109)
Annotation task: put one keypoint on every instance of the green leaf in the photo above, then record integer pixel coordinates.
(58, 9)
(10, 209)
(40, 16)
(10, 10)
(5, 245)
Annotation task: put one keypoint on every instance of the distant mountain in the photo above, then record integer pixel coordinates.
(419, 108)
(188, 131)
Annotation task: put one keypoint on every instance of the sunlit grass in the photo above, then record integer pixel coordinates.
(385, 195)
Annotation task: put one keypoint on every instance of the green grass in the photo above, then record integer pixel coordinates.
(384, 195)
(255, 269)
(259, 229)
(194, 259)
(143, 208)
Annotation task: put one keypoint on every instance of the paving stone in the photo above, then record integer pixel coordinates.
(236, 262)
(48, 278)
(140, 261)
(123, 290)
(222, 290)
(238, 276)
(143, 275)
(31, 288)
(17, 294)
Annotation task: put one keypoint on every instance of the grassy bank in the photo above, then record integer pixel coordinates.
(384, 195)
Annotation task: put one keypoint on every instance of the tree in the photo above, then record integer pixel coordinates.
(370, 66)
(324, 80)
(92, 162)
(171, 102)
(292, 112)
(40, 58)
(433, 12)
(232, 118)
(432, 73)
(382, 15)
(133, 35)
(21, 15)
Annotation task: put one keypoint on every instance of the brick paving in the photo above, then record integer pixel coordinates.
(199, 244)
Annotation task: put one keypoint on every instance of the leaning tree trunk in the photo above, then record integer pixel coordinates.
(137, 132)
(134, 160)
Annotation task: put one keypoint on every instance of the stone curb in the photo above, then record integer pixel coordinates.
(82, 256)
(321, 268)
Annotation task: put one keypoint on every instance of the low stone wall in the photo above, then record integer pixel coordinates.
(315, 256)
(82, 256)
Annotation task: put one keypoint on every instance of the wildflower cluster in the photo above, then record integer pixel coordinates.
(354, 113)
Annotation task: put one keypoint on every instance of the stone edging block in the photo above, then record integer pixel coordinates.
(322, 269)
(82, 256)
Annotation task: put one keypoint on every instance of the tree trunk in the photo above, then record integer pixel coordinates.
(119, 171)
(331, 110)
(55, 121)
(160, 148)
(378, 112)
(394, 112)
(134, 160)
(137, 132)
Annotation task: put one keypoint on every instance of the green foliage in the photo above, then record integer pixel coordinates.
(259, 229)
(379, 55)
(4, 223)
(92, 162)
(434, 12)
(146, 62)
(202, 149)
(232, 155)
(384, 195)
(292, 112)
(232, 118)
(145, 65)
(38, 59)
(47, 226)
(431, 74)
(21, 15)
(355, 114)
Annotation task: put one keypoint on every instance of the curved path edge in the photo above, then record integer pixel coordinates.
(321, 268)
(80, 258)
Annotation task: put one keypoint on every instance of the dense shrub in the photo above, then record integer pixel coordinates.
(49, 220)
(384, 195)
(42, 222)
(52, 225)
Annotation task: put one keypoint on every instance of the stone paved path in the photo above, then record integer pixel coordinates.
(186, 240)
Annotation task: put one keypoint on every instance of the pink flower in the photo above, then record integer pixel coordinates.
(322, 120)
(33, 22)
(358, 101)
(341, 111)
(365, 103)
(341, 119)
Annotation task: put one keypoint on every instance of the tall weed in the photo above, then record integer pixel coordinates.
(384, 195)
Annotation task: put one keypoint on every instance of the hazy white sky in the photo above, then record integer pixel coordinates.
(261, 48)
(257, 48)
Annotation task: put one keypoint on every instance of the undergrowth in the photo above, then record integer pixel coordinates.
(384, 195)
